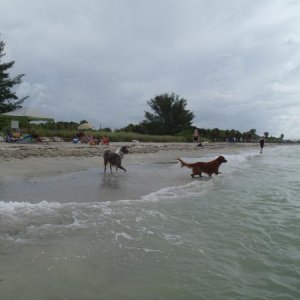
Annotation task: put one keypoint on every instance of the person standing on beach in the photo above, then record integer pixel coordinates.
(196, 136)
(261, 143)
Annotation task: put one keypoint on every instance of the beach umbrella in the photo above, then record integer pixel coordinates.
(85, 126)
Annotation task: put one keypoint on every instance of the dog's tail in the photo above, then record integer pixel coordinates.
(184, 164)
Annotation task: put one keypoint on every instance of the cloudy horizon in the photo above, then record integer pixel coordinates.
(236, 62)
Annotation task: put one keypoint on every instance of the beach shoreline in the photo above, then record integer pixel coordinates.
(54, 158)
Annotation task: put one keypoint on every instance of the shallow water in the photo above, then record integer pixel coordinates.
(233, 236)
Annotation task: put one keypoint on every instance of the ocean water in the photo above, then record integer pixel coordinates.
(232, 236)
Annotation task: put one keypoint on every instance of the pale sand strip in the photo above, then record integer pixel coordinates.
(46, 159)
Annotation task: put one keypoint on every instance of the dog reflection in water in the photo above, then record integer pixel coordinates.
(115, 158)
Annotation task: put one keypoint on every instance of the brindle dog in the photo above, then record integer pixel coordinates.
(115, 158)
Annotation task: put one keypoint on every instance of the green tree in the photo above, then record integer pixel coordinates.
(107, 129)
(250, 136)
(8, 99)
(215, 134)
(266, 134)
(133, 128)
(169, 115)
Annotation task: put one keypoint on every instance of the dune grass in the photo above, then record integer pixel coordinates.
(117, 136)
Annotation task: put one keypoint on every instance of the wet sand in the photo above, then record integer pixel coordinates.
(49, 159)
(64, 172)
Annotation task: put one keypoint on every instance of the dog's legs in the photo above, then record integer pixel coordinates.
(193, 174)
(110, 168)
(122, 168)
(105, 163)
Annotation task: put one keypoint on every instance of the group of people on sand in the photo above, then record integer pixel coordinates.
(15, 136)
(81, 137)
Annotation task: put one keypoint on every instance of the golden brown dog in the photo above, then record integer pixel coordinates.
(211, 167)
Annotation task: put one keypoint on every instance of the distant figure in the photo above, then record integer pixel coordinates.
(105, 140)
(196, 136)
(80, 134)
(16, 134)
(36, 138)
(261, 143)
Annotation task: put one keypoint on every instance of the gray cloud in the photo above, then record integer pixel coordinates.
(236, 62)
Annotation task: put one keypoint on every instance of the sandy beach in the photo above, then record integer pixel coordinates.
(52, 158)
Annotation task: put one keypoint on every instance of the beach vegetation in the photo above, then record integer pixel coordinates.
(106, 129)
(9, 101)
(137, 128)
(68, 130)
(116, 136)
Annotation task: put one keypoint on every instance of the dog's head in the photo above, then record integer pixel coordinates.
(124, 149)
(221, 159)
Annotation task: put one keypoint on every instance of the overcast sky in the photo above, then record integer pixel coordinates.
(236, 62)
